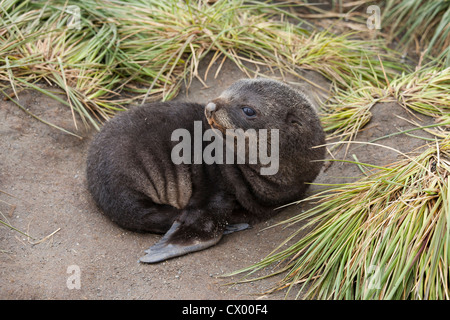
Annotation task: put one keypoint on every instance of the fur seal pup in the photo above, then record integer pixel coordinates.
(134, 181)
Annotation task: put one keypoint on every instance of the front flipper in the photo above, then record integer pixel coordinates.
(167, 248)
(231, 228)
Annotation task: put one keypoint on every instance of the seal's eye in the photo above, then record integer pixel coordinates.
(249, 112)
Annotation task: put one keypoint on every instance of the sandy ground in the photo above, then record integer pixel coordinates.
(43, 193)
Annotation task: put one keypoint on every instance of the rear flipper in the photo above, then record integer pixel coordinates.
(168, 247)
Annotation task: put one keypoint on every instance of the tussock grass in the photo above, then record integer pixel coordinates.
(386, 236)
(348, 111)
(419, 27)
(120, 55)
(425, 91)
(422, 24)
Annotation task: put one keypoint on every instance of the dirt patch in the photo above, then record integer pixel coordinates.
(42, 176)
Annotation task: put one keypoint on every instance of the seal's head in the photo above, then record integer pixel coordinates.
(266, 104)
(292, 135)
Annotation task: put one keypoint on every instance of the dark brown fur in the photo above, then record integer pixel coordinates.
(133, 180)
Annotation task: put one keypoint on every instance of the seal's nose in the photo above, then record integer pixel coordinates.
(210, 108)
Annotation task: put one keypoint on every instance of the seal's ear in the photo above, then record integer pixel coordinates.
(292, 120)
